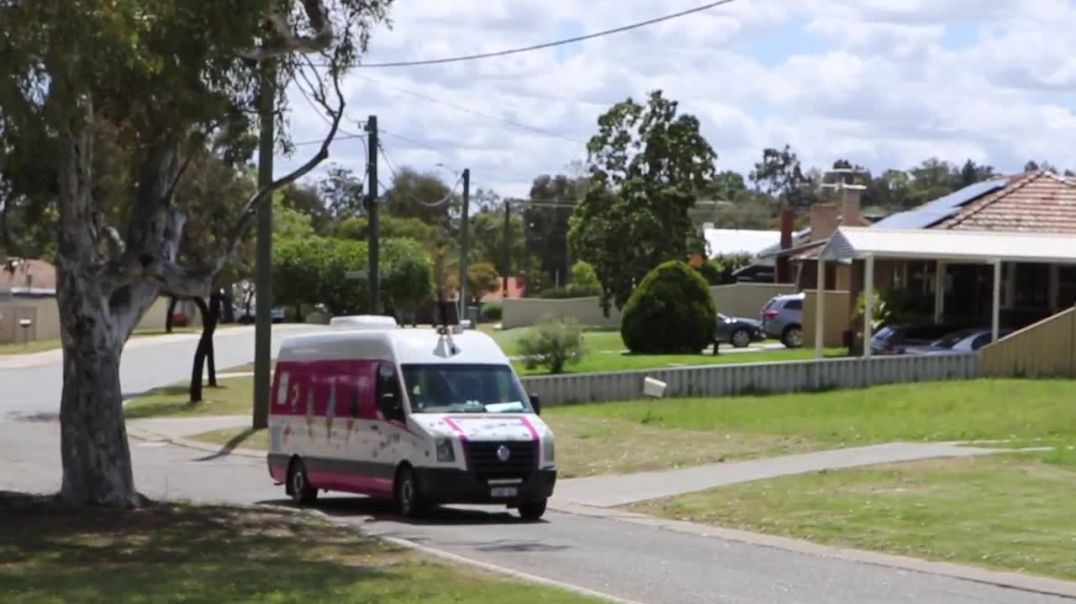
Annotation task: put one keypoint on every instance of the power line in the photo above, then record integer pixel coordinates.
(572, 40)
(465, 109)
(347, 137)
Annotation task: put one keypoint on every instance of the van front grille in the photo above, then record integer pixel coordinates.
(483, 460)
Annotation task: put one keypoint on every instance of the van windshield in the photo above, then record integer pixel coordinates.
(464, 389)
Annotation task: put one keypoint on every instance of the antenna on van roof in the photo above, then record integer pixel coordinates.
(445, 346)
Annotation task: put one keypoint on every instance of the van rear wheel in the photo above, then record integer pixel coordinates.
(299, 484)
(532, 510)
(408, 500)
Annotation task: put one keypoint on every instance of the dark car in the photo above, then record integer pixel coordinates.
(247, 318)
(738, 331)
(897, 339)
(964, 340)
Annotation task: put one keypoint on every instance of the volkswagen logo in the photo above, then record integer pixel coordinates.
(503, 453)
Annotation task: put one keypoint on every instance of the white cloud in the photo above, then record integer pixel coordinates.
(881, 82)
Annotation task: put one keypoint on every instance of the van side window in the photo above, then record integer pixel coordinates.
(389, 398)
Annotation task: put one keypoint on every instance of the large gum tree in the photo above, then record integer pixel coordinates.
(167, 80)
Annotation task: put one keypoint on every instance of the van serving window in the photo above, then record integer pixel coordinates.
(452, 388)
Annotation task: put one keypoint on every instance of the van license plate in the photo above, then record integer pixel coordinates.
(502, 492)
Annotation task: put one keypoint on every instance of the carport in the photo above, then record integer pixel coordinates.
(942, 247)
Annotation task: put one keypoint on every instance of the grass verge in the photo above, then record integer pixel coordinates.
(234, 396)
(590, 447)
(1012, 512)
(186, 553)
(941, 411)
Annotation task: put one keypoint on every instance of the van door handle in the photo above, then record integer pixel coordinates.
(375, 427)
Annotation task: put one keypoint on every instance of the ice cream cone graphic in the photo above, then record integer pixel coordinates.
(310, 414)
(330, 412)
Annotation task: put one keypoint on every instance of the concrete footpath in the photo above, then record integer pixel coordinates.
(622, 489)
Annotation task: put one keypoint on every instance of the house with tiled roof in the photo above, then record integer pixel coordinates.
(961, 291)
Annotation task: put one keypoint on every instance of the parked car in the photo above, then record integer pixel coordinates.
(247, 318)
(964, 340)
(898, 339)
(782, 318)
(738, 331)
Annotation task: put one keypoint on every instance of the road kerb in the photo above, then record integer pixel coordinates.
(1010, 580)
(150, 436)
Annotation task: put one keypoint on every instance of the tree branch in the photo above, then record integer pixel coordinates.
(286, 41)
(262, 195)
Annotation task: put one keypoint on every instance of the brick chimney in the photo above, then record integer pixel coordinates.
(851, 212)
(824, 221)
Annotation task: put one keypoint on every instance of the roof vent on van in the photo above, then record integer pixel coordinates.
(372, 322)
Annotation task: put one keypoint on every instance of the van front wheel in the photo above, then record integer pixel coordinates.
(408, 500)
(532, 510)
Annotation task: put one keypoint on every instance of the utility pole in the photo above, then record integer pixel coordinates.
(375, 221)
(464, 227)
(506, 249)
(263, 281)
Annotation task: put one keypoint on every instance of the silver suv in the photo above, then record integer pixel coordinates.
(782, 318)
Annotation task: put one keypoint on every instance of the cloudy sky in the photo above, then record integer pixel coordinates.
(885, 83)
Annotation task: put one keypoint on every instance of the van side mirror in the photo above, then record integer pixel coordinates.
(391, 407)
(536, 403)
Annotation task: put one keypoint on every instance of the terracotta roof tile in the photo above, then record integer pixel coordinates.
(1038, 202)
(26, 275)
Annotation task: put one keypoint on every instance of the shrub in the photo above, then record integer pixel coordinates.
(553, 344)
(670, 312)
(584, 281)
(712, 271)
(491, 312)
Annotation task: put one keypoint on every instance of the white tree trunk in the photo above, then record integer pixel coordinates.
(94, 324)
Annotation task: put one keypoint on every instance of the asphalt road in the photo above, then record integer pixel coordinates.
(144, 365)
(635, 562)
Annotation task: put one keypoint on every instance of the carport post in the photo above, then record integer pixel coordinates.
(868, 306)
(939, 292)
(995, 323)
(820, 310)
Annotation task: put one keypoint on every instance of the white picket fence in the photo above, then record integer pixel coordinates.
(754, 378)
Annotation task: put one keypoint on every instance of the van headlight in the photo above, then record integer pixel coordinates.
(445, 450)
(549, 455)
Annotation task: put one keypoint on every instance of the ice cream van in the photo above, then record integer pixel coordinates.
(418, 416)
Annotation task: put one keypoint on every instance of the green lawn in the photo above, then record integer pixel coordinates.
(234, 396)
(184, 553)
(652, 435)
(943, 411)
(606, 352)
(590, 447)
(1012, 512)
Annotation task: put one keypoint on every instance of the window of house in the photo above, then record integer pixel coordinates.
(1066, 286)
(1031, 286)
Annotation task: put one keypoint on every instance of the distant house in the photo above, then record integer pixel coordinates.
(28, 309)
(517, 288)
(998, 253)
(27, 278)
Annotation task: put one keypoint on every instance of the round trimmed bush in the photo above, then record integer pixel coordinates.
(671, 312)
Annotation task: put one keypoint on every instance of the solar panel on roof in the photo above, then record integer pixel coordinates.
(941, 208)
